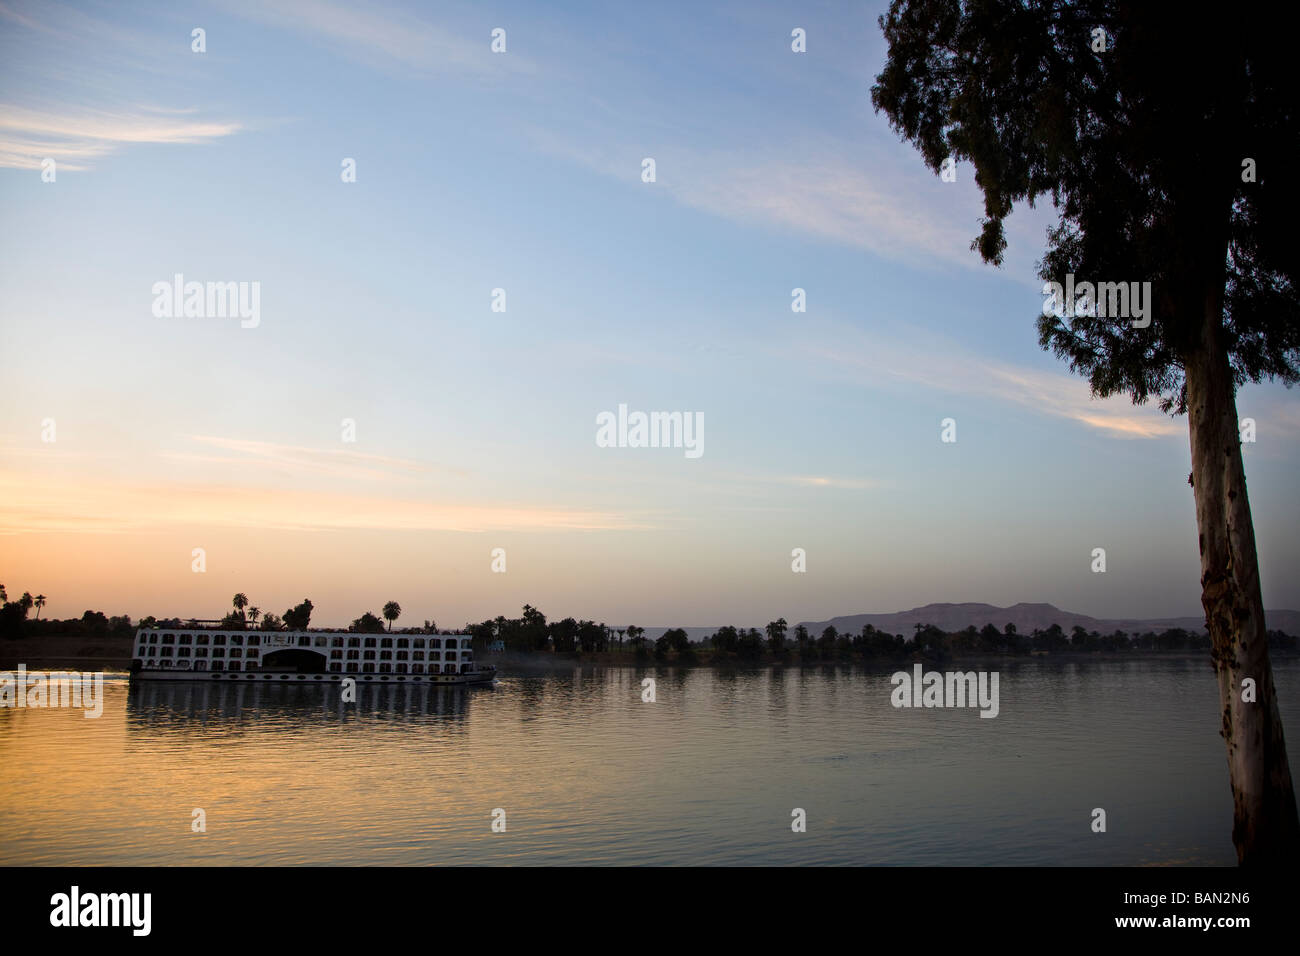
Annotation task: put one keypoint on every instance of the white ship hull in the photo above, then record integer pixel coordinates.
(305, 657)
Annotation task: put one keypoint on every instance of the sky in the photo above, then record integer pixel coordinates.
(379, 429)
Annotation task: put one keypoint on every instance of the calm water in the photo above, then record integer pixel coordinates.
(588, 774)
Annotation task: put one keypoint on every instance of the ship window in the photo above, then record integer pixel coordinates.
(386, 642)
(218, 652)
(200, 652)
(417, 655)
(234, 666)
(218, 665)
(219, 640)
(385, 655)
(235, 652)
(200, 665)
(403, 655)
(237, 639)
(186, 639)
(367, 668)
(370, 642)
(354, 642)
(385, 668)
(201, 640)
(417, 668)
(322, 641)
(153, 638)
(435, 642)
(304, 641)
(418, 642)
(403, 642)
(167, 652)
(169, 638)
(336, 655)
(354, 655)
(336, 668)
(368, 655)
(252, 652)
(183, 652)
(254, 640)
(336, 642)
(451, 642)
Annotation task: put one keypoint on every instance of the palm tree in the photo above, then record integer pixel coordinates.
(254, 613)
(40, 603)
(392, 611)
(240, 602)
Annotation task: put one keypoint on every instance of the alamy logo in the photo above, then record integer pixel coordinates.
(652, 430)
(102, 909)
(951, 689)
(208, 300)
(1105, 300)
(56, 689)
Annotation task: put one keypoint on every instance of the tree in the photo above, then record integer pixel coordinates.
(13, 614)
(367, 623)
(273, 623)
(298, 618)
(240, 602)
(392, 611)
(801, 638)
(564, 635)
(533, 630)
(1165, 164)
(776, 635)
(39, 601)
(254, 613)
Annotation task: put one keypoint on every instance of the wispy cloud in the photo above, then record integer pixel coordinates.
(383, 37)
(877, 203)
(946, 368)
(829, 481)
(334, 462)
(29, 505)
(74, 137)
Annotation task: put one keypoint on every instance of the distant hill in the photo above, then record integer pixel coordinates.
(1026, 617)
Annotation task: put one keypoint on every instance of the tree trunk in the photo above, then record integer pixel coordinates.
(1265, 827)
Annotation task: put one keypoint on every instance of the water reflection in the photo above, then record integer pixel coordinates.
(588, 771)
(154, 703)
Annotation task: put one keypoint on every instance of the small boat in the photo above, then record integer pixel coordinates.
(200, 654)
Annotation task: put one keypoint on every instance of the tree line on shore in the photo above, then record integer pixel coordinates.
(532, 633)
(14, 622)
(778, 641)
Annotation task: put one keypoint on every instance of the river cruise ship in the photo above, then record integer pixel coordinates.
(200, 654)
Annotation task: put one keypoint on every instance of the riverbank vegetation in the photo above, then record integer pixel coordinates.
(532, 635)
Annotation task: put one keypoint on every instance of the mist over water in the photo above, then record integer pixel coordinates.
(589, 774)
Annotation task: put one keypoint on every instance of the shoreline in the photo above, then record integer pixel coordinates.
(50, 652)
